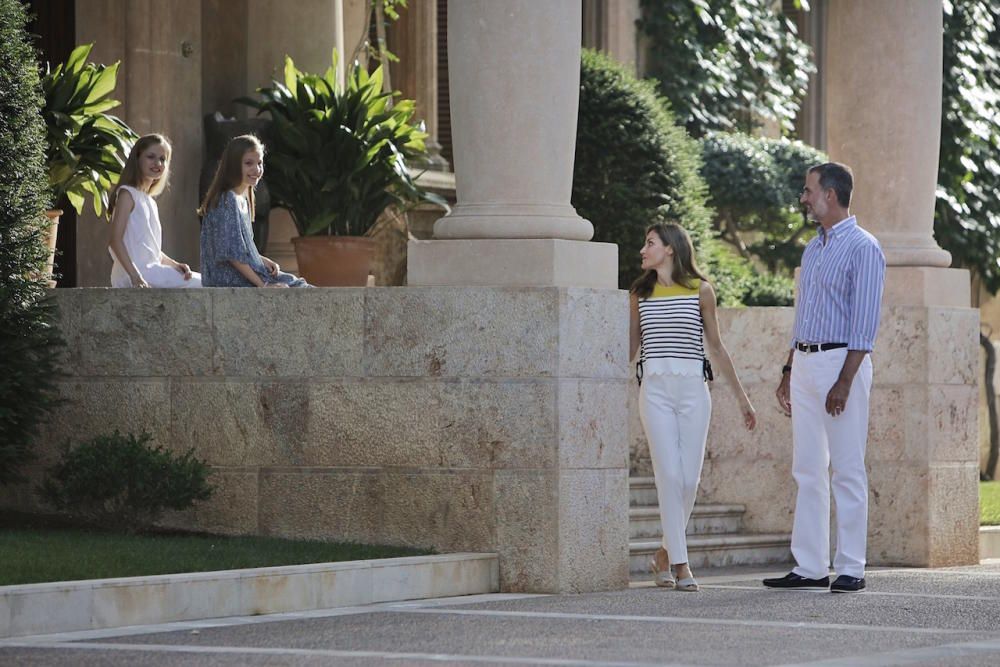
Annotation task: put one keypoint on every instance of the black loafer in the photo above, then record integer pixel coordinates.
(846, 584)
(792, 580)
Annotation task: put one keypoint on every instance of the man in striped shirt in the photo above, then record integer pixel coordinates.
(826, 382)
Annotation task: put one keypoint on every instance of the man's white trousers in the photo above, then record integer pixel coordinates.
(675, 411)
(823, 443)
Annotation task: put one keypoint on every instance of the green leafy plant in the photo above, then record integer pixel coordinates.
(123, 482)
(337, 158)
(727, 64)
(86, 147)
(754, 185)
(29, 340)
(967, 216)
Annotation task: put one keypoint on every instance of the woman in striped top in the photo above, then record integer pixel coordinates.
(672, 314)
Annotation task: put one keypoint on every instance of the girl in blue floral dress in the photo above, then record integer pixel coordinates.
(229, 257)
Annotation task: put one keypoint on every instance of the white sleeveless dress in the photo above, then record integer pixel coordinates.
(144, 242)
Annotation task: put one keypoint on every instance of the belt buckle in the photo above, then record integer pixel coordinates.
(806, 348)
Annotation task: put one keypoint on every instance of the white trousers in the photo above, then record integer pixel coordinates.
(822, 443)
(675, 411)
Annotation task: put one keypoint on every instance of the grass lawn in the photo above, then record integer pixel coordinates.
(36, 549)
(989, 503)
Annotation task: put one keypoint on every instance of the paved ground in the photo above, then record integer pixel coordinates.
(930, 617)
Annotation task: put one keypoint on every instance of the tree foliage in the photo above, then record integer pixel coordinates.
(754, 185)
(28, 338)
(967, 216)
(726, 64)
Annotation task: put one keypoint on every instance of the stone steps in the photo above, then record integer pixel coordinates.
(642, 492)
(715, 534)
(644, 522)
(705, 551)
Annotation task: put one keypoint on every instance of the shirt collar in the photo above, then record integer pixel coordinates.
(845, 225)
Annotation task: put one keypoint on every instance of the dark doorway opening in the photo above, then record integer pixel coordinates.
(53, 26)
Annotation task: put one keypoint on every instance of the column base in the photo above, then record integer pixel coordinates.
(513, 262)
(513, 221)
(927, 286)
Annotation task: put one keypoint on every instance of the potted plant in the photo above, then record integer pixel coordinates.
(336, 161)
(86, 147)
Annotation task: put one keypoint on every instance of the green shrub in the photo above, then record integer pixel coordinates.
(28, 338)
(754, 186)
(123, 482)
(636, 166)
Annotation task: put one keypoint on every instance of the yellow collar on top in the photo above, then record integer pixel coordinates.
(659, 291)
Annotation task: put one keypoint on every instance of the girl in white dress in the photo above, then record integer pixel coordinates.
(136, 236)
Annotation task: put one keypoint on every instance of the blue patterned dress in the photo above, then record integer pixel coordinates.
(226, 235)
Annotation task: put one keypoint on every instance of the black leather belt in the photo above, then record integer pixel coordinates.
(820, 347)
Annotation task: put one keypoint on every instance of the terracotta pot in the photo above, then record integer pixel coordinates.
(53, 217)
(335, 261)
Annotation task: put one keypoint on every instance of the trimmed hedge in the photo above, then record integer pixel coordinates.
(28, 338)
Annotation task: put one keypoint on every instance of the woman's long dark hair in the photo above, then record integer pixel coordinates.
(229, 173)
(685, 268)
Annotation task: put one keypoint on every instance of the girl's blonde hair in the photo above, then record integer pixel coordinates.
(229, 173)
(131, 174)
(685, 266)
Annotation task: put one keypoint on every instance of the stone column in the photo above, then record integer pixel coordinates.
(610, 26)
(338, 39)
(883, 73)
(514, 69)
(159, 84)
(884, 120)
(511, 272)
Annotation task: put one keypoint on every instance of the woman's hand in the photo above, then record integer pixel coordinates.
(272, 266)
(184, 269)
(139, 281)
(749, 414)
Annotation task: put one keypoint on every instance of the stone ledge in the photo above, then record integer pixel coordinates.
(67, 606)
(989, 542)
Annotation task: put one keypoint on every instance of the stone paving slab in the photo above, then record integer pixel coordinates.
(928, 617)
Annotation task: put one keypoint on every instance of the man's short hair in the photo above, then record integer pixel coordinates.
(836, 176)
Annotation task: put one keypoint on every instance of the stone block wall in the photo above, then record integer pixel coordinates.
(489, 419)
(486, 419)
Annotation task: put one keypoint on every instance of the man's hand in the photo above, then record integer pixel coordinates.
(836, 400)
(784, 394)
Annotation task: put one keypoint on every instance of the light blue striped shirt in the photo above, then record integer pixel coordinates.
(840, 288)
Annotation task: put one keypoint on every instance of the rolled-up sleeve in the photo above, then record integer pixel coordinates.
(866, 301)
(223, 233)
